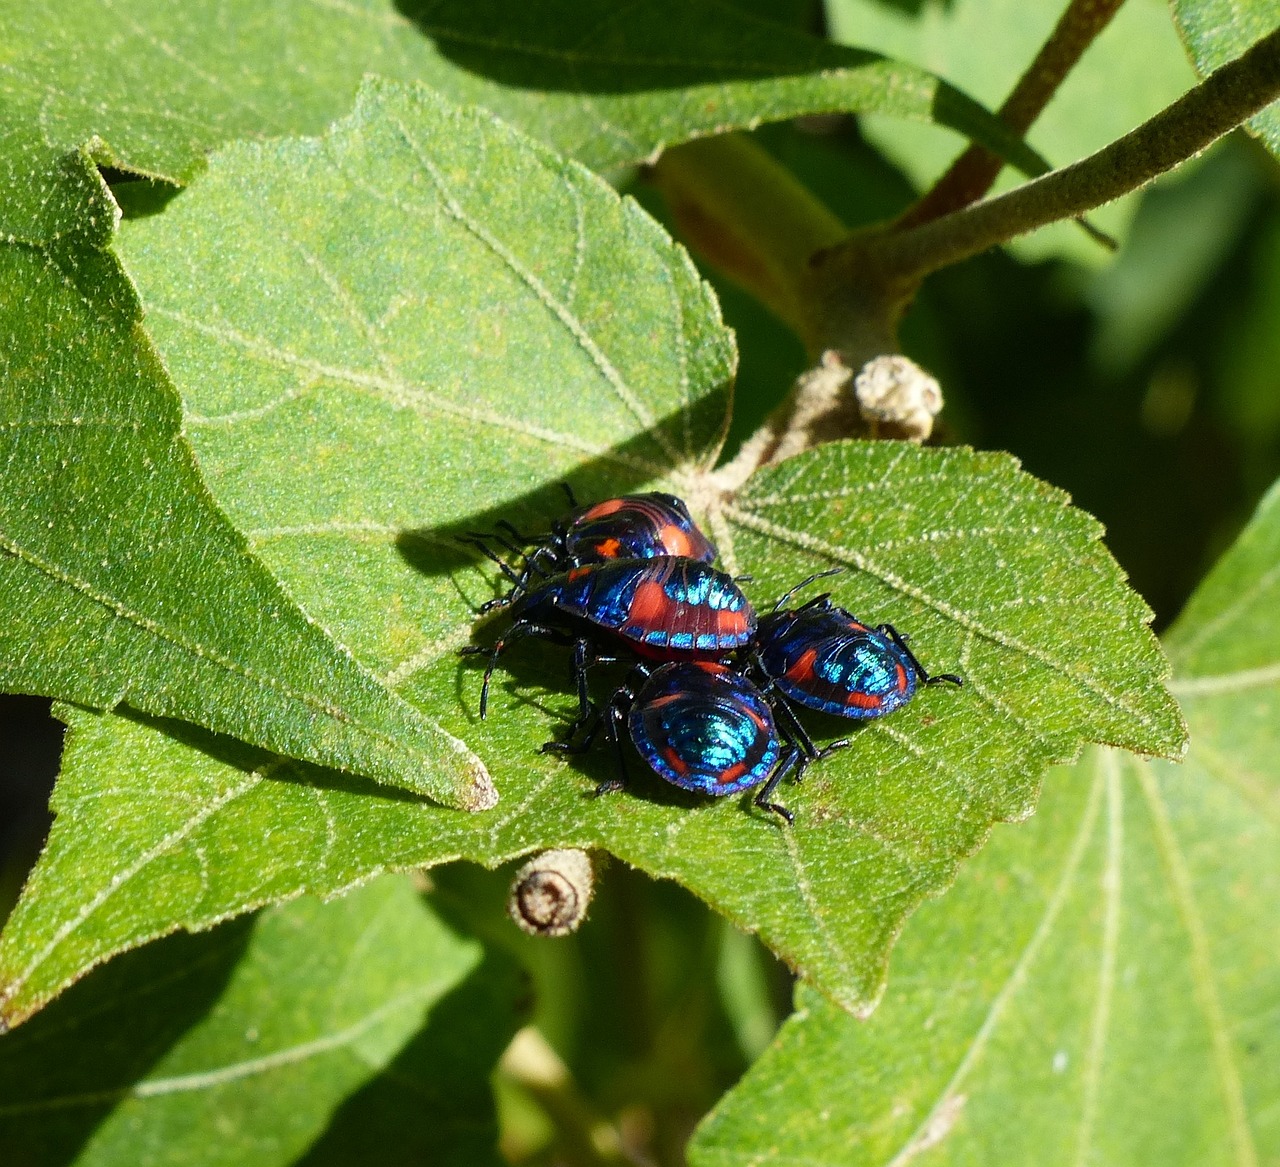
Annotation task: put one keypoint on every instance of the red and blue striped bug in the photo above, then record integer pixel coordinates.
(665, 608)
(819, 656)
(702, 726)
(631, 526)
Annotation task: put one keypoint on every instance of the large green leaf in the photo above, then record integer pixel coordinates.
(1133, 70)
(153, 87)
(1218, 31)
(1101, 985)
(119, 579)
(295, 1034)
(367, 367)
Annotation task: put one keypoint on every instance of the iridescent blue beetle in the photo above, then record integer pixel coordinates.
(702, 726)
(665, 608)
(819, 656)
(631, 526)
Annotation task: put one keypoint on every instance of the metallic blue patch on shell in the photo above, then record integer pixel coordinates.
(705, 728)
(668, 605)
(823, 658)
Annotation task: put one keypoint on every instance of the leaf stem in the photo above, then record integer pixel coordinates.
(974, 172)
(1197, 119)
(749, 216)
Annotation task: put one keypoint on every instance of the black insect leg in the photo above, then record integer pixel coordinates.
(617, 711)
(519, 631)
(791, 731)
(785, 764)
(472, 539)
(925, 679)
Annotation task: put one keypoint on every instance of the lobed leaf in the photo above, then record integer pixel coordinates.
(1218, 31)
(120, 582)
(324, 332)
(152, 88)
(280, 1040)
(1105, 973)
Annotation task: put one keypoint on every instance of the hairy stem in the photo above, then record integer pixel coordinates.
(972, 174)
(899, 259)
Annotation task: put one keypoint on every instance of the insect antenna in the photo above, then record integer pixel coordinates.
(804, 583)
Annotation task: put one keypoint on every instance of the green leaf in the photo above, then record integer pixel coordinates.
(1218, 31)
(1106, 973)
(1133, 70)
(153, 88)
(324, 332)
(119, 579)
(294, 1034)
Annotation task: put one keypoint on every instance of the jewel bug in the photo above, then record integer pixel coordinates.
(702, 726)
(668, 607)
(631, 526)
(819, 656)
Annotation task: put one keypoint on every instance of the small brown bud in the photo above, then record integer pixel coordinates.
(551, 892)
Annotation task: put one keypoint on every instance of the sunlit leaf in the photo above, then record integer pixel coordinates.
(152, 88)
(119, 579)
(1106, 973)
(368, 367)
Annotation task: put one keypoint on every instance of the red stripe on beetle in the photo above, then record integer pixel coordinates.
(802, 670)
(601, 510)
(864, 700)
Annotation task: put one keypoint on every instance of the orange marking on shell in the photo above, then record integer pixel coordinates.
(802, 670)
(902, 678)
(733, 773)
(649, 604)
(863, 700)
(610, 506)
(579, 572)
(677, 763)
(609, 549)
(730, 623)
(675, 540)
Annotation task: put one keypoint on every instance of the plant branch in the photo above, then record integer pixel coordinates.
(1229, 96)
(974, 172)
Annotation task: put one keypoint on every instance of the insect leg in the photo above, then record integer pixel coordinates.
(785, 764)
(925, 679)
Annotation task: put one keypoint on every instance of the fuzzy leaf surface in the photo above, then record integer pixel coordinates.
(120, 581)
(278, 1040)
(1218, 31)
(1106, 972)
(347, 420)
(152, 88)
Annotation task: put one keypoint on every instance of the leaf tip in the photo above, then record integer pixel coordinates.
(477, 789)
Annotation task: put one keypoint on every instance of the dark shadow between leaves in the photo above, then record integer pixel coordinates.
(541, 48)
(64, 1071)
(434, 1102)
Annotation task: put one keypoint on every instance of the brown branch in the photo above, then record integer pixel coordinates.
(974, 172)
(1226, 98)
